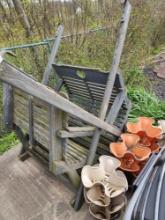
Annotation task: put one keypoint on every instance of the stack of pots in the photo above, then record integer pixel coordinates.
(104, 188)
(137, 145)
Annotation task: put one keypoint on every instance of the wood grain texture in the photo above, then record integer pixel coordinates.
(8, 105)
(16, 78)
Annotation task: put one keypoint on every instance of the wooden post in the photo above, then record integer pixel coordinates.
(111, 77)
(8, 105)
(55, 142)
(31, 130)
(115, 108)
(52, 56)
(108, 90)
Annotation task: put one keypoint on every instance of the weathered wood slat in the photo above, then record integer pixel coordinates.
(16, 78)
(78, 81)
(86, 128)
(36, 125)
(66, 134)
(41, 121)
(40, 131)
(24, 100)
(79, 91)
(38, 135)
(75, 84)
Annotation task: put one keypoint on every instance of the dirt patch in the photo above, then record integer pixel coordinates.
(157, 83)
(156, 74)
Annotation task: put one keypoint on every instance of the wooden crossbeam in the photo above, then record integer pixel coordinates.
(18, 79)
(66, 134)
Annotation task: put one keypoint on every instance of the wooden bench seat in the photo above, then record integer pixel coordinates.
(87, 94)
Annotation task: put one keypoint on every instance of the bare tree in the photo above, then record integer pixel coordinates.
(22, 17)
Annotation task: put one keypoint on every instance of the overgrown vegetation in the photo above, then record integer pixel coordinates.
(25, 21)
(145, 103)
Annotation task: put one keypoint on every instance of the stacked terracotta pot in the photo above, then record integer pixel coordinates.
(137, 145)
(104, 188)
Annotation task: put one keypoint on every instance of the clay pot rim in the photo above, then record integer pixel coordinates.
(144, 158)
(126, 137)
(140, 124)
(130, 170)
(115, 143)
(157, 136)
(130, 152)
(131, 134)
(152, 120)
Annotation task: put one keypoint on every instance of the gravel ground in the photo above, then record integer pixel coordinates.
(158, 84)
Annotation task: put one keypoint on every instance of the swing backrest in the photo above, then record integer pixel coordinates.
(86, 86)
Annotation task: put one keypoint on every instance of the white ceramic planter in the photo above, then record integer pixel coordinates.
(91, 175)
(97, 196)
(108, 164)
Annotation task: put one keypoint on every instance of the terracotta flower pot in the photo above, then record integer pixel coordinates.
(118, 149)
(146, 121)
(154, 132)
(109, 164)
(141, 125)
(97, 196)
(141, 153)
(144, 139)
(154, 147)
(144, 126)
(91, 175)
(130, 140)
(129, 163)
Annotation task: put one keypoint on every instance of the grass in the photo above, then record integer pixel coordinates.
(7, 142)
(145, 103)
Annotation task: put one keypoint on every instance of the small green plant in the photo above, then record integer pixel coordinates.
(135, 77)
(7, 142)
(145, 104)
